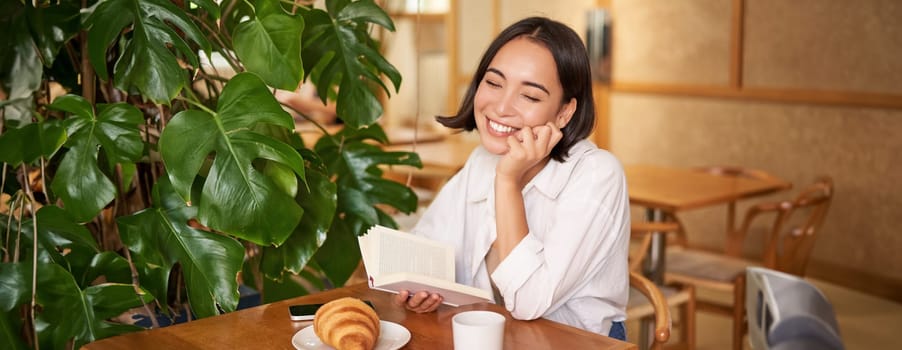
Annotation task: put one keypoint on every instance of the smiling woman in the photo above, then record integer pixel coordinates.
(520, 89)
(538, 215)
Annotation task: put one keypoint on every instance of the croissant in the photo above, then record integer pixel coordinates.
(347, 324)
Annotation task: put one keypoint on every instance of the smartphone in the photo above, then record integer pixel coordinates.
(305, 312)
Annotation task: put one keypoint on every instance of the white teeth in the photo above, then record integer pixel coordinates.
(500, 128)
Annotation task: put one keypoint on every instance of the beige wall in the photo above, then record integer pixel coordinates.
(793, 46)
(418, 49)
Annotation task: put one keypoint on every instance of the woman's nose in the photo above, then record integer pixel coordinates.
(505, 104)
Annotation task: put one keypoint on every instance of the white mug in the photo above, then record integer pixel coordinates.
(478, 330)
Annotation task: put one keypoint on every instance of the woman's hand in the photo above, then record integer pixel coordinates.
(528, 148)
(419, 302)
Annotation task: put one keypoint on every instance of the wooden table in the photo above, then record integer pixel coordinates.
(670, 190)
(268, 327)
(677, 189)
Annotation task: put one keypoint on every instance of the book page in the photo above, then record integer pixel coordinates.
(386, 251)
(454, 294)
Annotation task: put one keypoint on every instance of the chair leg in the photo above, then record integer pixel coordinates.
(739, 325)
(687, 318)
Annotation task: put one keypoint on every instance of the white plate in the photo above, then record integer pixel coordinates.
(391, 336)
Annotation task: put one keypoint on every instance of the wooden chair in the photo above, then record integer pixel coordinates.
(723, 170)
(645, 303)
(658, 305)
(787, 246)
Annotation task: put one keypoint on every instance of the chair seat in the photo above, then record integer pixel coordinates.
(705, 265)
(639, 306)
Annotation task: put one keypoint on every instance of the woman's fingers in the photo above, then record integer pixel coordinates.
(419, 302)
(528, 147)
(543, 138)
(430, 304)
(400, 299)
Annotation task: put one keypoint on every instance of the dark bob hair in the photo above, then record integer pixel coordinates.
(572, 67)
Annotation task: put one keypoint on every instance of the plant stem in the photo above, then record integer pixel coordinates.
(136, 283)
(88, 90)
(34, 248)
(223, 15)
(5, 256)
(225, 51)
(17, 204)
(195, 101)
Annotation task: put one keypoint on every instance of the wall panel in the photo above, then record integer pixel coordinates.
(858, 147)
(672, 42)
(824, 45)
(820, 91)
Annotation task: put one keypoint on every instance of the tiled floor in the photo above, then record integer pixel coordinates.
(865, 321)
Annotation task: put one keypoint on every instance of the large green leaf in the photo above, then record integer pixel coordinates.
(64, 242)
(355, 163)
(11, 331)
(79, 182)
(270, 45)
(233, 13)
(15, 290)
(340, 254)
(21, 67)
(15, 285)
(147, 62)
(31, 142)
(160, 237)
(340, 52)
(61, 241)
(52, 25)
(319, 202)
(210, 6)
(71, 313)
(109, 266)
(237, 197)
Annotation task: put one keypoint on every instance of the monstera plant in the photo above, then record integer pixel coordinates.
(136, 177)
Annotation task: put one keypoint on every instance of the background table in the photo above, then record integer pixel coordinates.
(670, 190)
(268, 327)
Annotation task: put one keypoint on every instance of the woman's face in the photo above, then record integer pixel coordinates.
(520, 88)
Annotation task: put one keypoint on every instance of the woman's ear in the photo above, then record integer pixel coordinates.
(565, 114)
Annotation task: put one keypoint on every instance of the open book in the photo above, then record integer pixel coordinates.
(397, 261)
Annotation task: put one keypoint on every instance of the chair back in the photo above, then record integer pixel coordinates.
(787, 312)
(791, 236)
(735, 171)
(641, 232)
(658, 302)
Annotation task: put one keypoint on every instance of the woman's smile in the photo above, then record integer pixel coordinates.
(499, 129)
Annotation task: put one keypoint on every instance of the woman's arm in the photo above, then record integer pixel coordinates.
(527, 155)
(586, 239)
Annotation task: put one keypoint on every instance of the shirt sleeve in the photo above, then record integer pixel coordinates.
(586, 241)
(444, 214)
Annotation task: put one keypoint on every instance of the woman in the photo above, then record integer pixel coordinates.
(538, 214)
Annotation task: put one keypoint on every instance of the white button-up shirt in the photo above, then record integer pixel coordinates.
(572, 265)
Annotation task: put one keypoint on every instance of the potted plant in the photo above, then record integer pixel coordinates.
(152, 182)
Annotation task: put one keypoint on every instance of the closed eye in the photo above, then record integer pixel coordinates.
(492, 83)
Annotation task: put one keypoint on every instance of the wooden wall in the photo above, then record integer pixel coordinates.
(797, 88)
